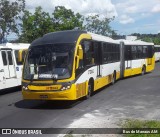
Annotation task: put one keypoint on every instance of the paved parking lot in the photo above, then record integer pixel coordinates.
(135, 97)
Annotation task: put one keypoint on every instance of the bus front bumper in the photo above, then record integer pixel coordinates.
(69, 94)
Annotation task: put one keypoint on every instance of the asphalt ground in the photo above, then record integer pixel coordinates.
(136, 97)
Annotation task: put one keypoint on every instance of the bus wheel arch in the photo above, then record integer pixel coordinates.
(143, 70)
(90, 88)
(113, 77)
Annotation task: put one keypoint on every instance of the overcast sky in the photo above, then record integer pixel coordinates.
(131, 16)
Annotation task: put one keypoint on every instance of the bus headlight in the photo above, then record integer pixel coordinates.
(65, 88)
(25, 88)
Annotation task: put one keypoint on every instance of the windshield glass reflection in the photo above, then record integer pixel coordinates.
(49, 62)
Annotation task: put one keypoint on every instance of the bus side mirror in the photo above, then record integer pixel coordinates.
(20, 56)
(77, 62)
(80, 52)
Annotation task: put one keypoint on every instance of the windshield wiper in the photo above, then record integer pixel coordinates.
(55, 77)
(31, 80)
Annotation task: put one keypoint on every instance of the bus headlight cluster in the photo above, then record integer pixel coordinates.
(65, 87)
(25, 88)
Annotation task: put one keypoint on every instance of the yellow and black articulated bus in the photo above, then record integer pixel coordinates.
(68, 65)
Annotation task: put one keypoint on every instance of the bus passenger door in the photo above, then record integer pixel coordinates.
(5, 63)
(2, 80)
(98, 58)
(11, 64)
(9, 70)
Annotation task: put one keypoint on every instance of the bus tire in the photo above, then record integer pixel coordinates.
(89, 91)
(113, 78)
(143, 70)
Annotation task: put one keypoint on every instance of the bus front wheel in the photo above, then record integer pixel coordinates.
(89, 91)
(113, 78)
(143, 70)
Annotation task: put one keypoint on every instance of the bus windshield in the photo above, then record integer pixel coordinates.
(49, 61)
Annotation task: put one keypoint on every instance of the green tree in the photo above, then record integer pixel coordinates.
(147, 39)
(35, 25)
(66, 19)
(155, 40)
(99, 26)
(9, 14)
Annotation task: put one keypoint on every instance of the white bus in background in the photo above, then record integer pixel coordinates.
(157, 52)
(10, 67)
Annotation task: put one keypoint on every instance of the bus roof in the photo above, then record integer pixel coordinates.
(15, 45)
(157, 45)
(102, 38)
(69, 36)
(136, 42)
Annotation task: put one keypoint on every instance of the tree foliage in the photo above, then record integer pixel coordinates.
(66, 19)
(155, 38)
(9, 14)
(35, 25)
(39, 23)
(99, 26)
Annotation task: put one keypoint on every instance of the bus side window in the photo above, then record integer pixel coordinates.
(145, 51)
(97, 52)
(10, 60)
(134, 52)
(109, 54)
(88, 48)
(105, 54)
(127, 52)
(4, 57)
(150, 51)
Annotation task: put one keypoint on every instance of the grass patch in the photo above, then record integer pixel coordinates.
(140, 124)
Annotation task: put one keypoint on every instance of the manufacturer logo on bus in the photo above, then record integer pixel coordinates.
(91, 71)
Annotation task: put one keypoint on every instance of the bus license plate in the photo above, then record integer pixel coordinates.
(43, 96)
